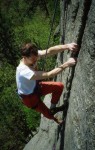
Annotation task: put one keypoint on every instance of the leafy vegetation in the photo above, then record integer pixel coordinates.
(20, 21)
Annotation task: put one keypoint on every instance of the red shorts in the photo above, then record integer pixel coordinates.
(34, 100)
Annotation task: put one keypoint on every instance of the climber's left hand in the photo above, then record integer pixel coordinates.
(73, 47)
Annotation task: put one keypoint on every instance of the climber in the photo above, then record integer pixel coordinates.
(27, 77)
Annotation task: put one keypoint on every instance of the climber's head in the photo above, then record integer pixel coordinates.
(29, 53)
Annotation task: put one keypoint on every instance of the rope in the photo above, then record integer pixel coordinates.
(50, 33)
(65, 5)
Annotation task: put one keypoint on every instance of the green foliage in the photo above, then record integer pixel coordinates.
(35, 30)
(7, 42)
(32, 118)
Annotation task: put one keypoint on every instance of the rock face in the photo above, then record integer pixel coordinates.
(78, 132)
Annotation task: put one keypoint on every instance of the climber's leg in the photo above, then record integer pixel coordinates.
(55, 88)
(33, 101)
(42, 108)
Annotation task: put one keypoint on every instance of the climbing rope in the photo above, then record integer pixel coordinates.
(51, 28)
(65, 7)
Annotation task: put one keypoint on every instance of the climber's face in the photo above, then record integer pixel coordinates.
(31, 60)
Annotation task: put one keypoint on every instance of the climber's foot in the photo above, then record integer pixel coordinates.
(58, 109)
(53, 111)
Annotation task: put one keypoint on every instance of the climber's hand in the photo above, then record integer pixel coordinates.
(71, 62)
(73, 47)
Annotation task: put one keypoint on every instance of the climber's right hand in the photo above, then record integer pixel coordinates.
(71, 62)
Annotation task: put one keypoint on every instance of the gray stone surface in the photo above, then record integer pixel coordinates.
(77, 25)
(80, 125)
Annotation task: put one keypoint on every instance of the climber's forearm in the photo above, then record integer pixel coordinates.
(69, 63)
(59, 48)
(53, 50)
(56, 49)
(58, 70)
(39, 75)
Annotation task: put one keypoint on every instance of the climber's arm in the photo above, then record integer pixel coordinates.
(58, 48)
(39, 75)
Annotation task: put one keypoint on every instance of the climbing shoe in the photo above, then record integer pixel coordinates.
(55, 110)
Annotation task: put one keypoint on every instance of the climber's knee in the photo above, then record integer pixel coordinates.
(60, 85)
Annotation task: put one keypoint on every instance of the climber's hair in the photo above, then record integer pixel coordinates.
(29, 49)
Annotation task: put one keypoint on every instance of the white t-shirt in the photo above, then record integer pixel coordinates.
(23, 79)
(25, 84)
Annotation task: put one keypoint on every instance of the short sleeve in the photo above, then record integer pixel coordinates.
(39, 52)
(27, 73)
